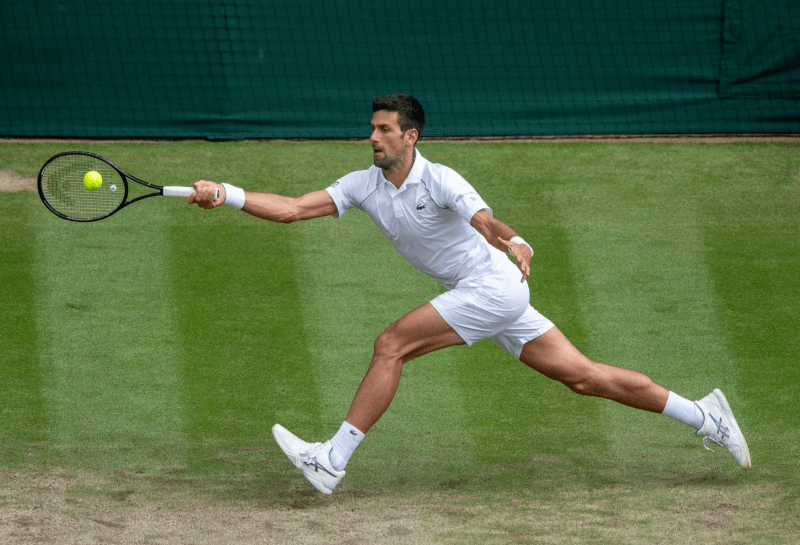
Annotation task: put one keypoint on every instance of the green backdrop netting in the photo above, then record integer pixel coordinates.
(263, 69)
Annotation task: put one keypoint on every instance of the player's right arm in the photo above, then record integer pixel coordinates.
(268, 206)
(282, 209)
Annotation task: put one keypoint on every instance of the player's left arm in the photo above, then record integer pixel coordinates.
(499, 235)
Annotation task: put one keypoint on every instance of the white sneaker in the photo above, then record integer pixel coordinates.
(720, 426)
(310, 458)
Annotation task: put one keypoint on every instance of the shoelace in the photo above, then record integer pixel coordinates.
(707, 440)
(311, 456)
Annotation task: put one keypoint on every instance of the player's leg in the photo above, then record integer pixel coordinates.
(485, 303)
(417, 333)
(553, 355)
(420, 331)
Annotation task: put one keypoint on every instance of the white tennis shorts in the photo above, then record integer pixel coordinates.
(492, 303)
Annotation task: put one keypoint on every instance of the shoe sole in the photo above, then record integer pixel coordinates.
(728, 413)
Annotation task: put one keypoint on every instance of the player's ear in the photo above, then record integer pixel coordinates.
(412, 135)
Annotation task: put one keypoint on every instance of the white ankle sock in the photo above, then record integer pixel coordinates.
(683, 410)
(343, 445)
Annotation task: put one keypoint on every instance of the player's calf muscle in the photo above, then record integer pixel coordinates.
(622, 385)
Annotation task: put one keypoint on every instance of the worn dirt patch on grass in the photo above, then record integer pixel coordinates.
(65, 509)
(10, 180)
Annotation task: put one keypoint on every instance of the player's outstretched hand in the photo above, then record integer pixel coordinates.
(522, 255)
(205, 193)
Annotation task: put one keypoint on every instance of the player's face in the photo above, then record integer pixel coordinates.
(390, 144)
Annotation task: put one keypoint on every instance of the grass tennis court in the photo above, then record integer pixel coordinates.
(145, 357)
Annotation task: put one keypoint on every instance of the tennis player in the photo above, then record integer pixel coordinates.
(443, 227)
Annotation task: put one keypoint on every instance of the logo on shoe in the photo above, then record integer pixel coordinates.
(313, 463)
(724, 431)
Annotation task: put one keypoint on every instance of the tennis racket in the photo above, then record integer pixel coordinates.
(69, 193)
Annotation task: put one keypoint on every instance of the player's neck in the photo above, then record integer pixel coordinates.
(398, 173)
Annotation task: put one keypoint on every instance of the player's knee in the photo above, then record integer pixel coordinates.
(582, 387)
(387, 349)
(588, 383)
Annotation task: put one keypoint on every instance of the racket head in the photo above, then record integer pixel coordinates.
(63, 193)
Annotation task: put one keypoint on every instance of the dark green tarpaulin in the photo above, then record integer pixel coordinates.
(308, 69)
(761, 50)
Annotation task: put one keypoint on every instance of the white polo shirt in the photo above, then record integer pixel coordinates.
(426, 220)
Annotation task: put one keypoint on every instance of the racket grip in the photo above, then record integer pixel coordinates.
(179, 191)
(176, 191)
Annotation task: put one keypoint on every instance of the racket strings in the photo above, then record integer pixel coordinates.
(64, 191)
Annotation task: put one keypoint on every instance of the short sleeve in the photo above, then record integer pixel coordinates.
(345, 190)
(459, 196)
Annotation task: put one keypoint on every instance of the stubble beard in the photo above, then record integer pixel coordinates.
(389, 162)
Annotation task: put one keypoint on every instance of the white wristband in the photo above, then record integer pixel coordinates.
(520, 240)
(234, 196)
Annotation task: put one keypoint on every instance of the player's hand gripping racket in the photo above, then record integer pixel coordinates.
(83, 186)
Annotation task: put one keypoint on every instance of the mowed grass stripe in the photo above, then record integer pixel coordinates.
(526, 424)
(244, 358)
(752, 236)
(22, 408)
(105, 342)
(647, 294)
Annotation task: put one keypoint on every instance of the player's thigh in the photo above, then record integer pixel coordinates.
(553, 355)
(419, 332)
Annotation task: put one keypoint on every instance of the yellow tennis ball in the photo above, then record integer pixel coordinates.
(92, 180)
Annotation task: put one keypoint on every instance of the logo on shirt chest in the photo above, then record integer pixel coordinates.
(421, 205)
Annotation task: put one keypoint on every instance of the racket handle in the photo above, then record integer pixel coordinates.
(176, 191)
(179, 191)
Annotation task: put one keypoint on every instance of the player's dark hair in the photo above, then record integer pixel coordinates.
(409, 111)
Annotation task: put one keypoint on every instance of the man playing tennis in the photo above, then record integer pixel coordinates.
(440, 224)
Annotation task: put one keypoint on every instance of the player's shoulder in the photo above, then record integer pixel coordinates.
(361, 175)
(439, 176)
(358, 179)
(436, 171)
